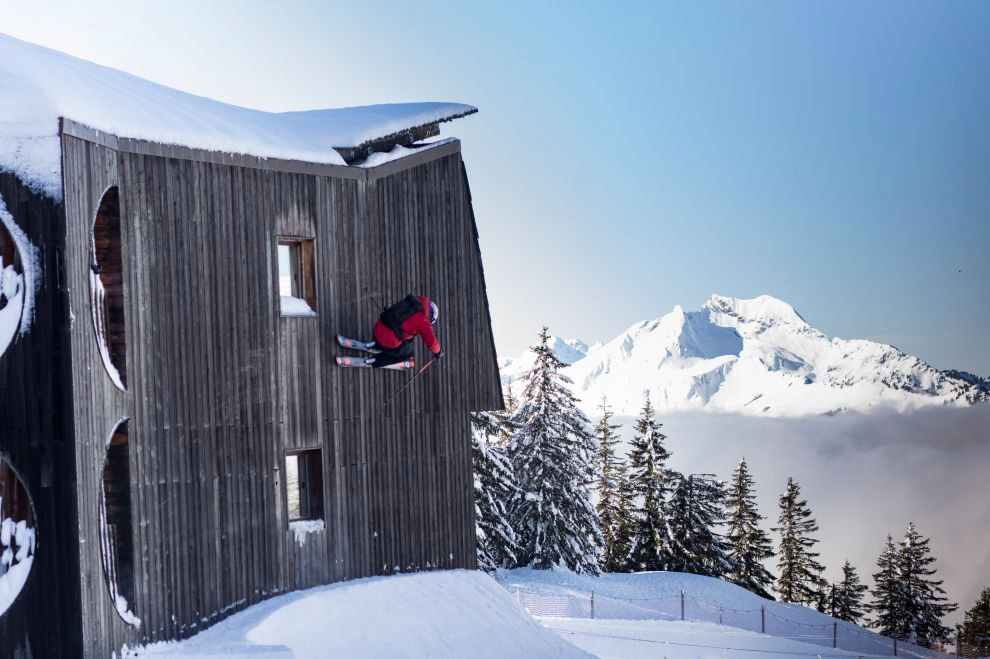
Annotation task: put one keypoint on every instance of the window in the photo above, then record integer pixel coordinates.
(296, 277)
(116, 532)
(107, 288)
(13, 288)
(17, 535)
(304, 484)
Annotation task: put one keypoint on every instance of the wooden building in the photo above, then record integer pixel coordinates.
(187, 446)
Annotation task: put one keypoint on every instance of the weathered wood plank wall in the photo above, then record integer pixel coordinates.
(36, 440)
(220, 385)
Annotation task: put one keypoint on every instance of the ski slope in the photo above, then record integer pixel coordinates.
(456, 613)
(651, 613)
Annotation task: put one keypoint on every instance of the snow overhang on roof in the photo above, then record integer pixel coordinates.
(39, 85)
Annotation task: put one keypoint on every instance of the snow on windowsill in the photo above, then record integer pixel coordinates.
(303, 527)
(120, 603)
(293, 306)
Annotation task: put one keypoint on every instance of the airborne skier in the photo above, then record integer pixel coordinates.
(394, 331)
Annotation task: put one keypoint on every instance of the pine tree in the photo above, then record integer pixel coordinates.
(650, 482)
(695, 511)
(924, 601)
(614, 497)
(552, 454)
(888, 597)
(800, 578)
(749, 544)
(977, 622)
(845, 600)
(493, 489)
(510, 399)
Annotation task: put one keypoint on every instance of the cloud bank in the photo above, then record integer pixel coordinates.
(864, 476)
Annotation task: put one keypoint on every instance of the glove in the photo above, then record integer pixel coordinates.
(438, 355)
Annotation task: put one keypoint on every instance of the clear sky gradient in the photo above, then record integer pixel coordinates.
(630, 157)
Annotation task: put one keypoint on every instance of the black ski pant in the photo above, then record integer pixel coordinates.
(388, 356)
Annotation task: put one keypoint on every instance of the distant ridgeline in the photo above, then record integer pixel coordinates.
(172, 273)
(756, 357)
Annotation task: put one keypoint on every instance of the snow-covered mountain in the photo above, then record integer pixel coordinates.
(566, 350)
(755, 356)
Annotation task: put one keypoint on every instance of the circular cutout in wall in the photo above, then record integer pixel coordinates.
(116, 531)
(106, 278)
(17, 535)
(13, 284)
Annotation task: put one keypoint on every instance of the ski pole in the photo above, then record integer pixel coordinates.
(375, 298)
(403, 387)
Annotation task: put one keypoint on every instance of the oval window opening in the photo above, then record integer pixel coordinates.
(116, 532)
(17, 536)
(107, 288)
(12, 288)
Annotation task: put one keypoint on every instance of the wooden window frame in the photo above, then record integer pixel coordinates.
(311, 476)
(302, 255)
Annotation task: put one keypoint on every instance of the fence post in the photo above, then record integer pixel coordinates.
(720, 615)
(895, 646)
(763, 620)
(518, 597)
(592, 605)
(835, 634)
(682, 605)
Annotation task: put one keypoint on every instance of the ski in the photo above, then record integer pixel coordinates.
(354, 344)
(361, 362)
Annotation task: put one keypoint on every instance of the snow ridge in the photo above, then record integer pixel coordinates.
(753, 356)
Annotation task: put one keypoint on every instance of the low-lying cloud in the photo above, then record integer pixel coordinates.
(864, 476)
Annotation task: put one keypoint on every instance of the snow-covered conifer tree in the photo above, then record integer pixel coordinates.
(799, 573)
(650, 481)
(614, 495)
(976, 624)
(493, 489)
(925, 603)
(888, 597)
(749, 544)
(552, 453)
(845, 600)
(694, 513)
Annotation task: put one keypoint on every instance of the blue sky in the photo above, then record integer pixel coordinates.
(631, 157)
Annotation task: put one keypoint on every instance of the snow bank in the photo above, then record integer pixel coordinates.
(711, 607)
(40, 85)
(454, 613)
(681, 640)
(17, 289)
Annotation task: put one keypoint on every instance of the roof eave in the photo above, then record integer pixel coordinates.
(353, 154)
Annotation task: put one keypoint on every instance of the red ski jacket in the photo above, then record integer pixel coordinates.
(416, 324)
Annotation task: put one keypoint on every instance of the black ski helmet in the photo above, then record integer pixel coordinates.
(434, 312)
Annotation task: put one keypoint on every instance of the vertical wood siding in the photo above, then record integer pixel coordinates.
(36, 440)
(220, 384)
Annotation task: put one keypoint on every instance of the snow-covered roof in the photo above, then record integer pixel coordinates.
(38, 85)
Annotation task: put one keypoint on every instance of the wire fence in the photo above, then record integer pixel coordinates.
(683, 606)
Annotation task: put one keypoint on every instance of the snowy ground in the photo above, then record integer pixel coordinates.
(679, 640)
(630, 614)
(459, 613)
(436, 614)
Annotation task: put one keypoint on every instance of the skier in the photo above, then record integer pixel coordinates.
(395, 330)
